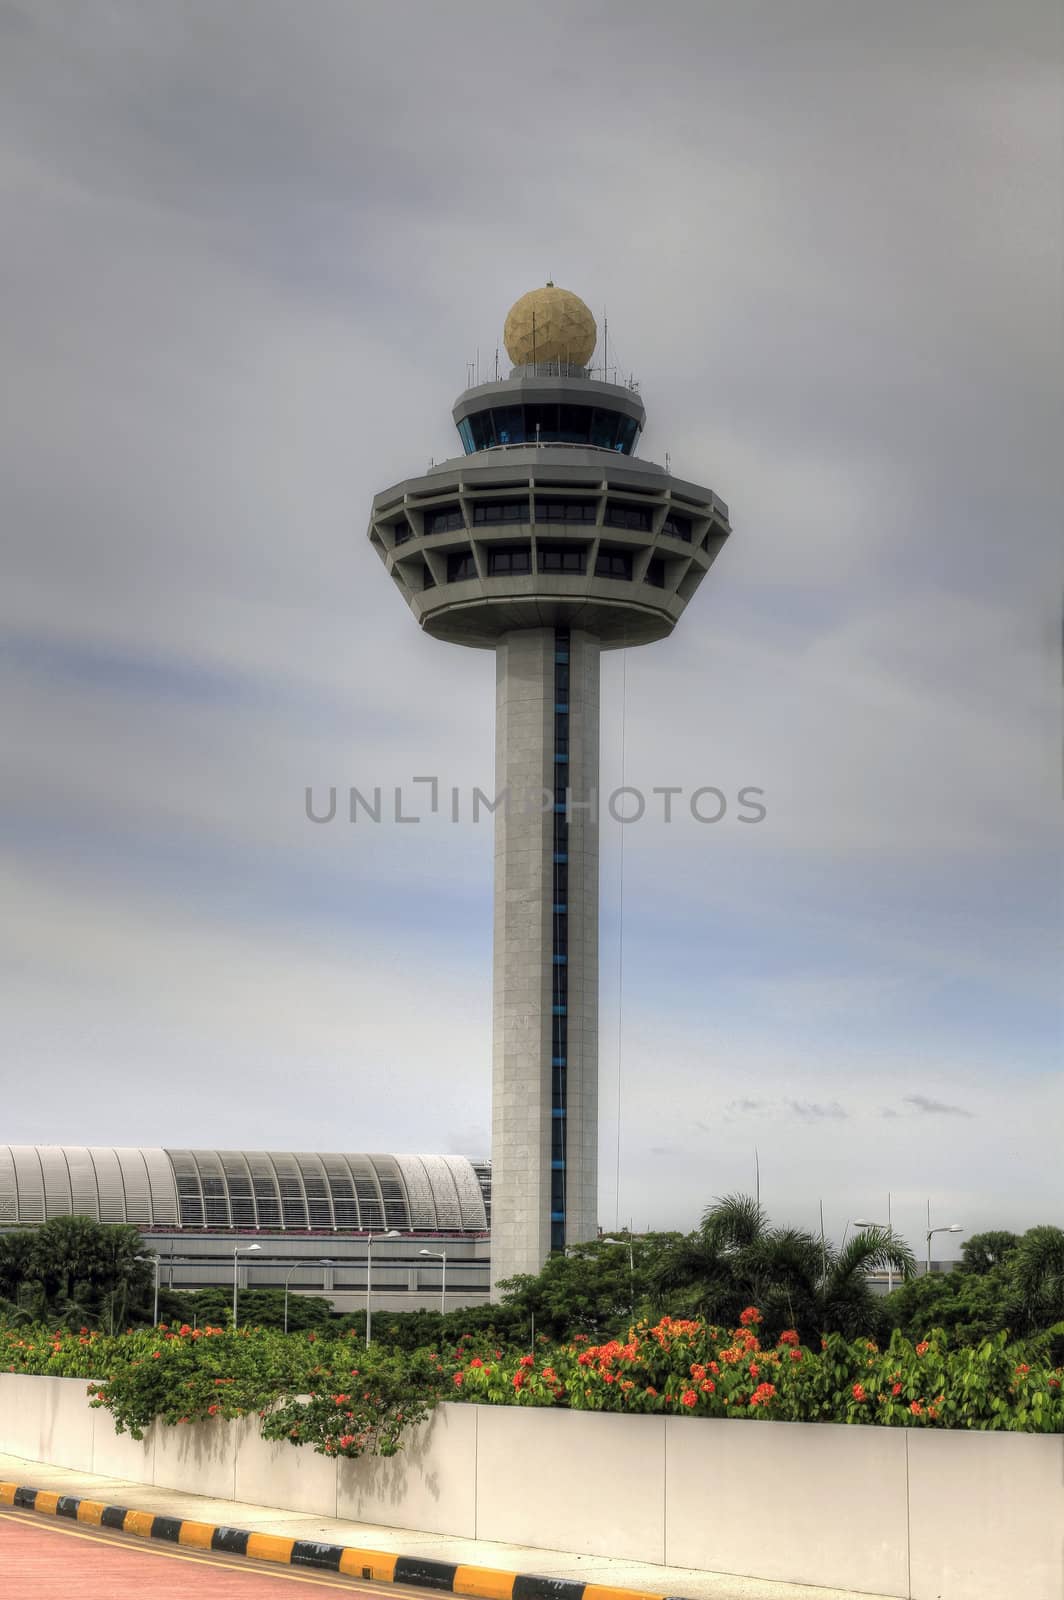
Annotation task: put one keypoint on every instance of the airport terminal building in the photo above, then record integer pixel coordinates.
(315, 1216)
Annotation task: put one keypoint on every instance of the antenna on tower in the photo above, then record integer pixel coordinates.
(496, 363)
(605, 348)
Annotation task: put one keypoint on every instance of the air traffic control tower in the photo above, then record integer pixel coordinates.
(546, 542)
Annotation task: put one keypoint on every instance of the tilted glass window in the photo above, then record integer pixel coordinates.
(507, 424)
(549, 424)
(655, 573)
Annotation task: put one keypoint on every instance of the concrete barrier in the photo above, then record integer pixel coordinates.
(821, 1505)
(431, 1484)
(587, 1481)
(916, 1514)
(986, 1515)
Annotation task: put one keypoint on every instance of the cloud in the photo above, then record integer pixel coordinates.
(812, 1110)
(935, 1108)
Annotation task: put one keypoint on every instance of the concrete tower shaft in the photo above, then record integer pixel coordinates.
(545, 1023)
(547, 542)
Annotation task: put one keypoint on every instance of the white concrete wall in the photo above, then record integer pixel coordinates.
(913, 1514)
(819, 1504)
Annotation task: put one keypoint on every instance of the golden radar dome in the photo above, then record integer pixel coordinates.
(550, 324)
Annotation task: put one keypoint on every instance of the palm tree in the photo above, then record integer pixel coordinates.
(736, 1258)
(1039, 1266)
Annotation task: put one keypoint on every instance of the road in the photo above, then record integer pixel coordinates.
(45, 1560)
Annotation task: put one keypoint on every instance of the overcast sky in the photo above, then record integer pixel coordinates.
(249, 250)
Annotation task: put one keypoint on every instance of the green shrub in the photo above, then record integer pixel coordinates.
(344, 1400)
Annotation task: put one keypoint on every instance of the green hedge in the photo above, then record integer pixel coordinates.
(342, 1399)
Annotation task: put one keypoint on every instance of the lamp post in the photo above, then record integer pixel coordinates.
(324, 1262)
(440, 1255)
(393, 1233)
(155, 1300)
(861, 1222)
(631, 1267)
(954, 1227)
(240, 1250)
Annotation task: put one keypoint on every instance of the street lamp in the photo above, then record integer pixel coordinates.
(631, 1252)
(888, 1229)
(324, 1262)
(240, 1250)
(440, 1255)
(155, 1302)
(954, 1227)
(393, 1233)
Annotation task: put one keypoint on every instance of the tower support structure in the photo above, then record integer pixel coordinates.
(545, 1023)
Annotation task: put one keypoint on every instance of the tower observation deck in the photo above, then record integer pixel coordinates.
(547, 542)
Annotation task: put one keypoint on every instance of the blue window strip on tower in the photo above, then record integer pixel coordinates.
(560, 913)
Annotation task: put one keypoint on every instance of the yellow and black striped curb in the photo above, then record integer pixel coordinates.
(448, 1577)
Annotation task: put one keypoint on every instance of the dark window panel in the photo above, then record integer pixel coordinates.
(622, 516)
(677, 527)
(487, 512)
(613, 564)
(444, 520)
(460, 566)
(558, 559)
(504, 563)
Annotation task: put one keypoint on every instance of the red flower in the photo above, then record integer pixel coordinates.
(476, 1362)
(763, 1394)
(156, 1354)
(688, 1398)
(922, 1348)
(789, 1336)
(1023, 1369)
(528, 1361)
(896, 1389)
(212, 1410)
(795, 1355)
(457, 1382)
(917, 1409)
(754, 1369)
(858, 1392)
(750, 1317)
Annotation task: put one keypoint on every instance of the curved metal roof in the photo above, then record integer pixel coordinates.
(243, 1189)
